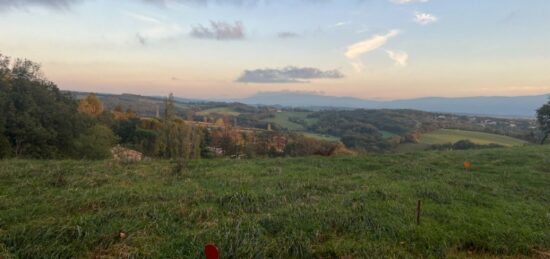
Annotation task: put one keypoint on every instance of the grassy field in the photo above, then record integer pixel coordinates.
(320, 136)
(282, 119)
(445, 136)
(340, 207)
(223, 111)
(387, 134)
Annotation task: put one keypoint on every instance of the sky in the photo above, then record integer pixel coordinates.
(220, 49)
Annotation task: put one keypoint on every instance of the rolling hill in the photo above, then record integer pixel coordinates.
(517, 106)
(450, 136)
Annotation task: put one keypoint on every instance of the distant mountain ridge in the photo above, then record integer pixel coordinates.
(515, 106)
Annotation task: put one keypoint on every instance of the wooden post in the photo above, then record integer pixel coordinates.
(418, 210)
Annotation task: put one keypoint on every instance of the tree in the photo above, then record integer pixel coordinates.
(168, 147)
(543, 117)
(91, 105)
(36, 119)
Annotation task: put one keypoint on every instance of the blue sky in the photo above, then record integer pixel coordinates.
(375, 49)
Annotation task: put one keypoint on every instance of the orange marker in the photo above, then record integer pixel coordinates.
(467, 165)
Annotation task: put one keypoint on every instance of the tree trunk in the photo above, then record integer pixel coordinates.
(544, 139)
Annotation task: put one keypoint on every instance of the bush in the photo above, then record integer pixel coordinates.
(95, 143)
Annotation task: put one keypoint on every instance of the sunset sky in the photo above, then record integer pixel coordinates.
(372, 49)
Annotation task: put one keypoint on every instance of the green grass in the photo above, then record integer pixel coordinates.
(387, 134)
(352, 207)
(222, 110)
(445, 136)
(320, 136)
(282, 119)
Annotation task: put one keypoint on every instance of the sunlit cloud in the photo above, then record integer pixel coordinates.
(369, 45)
(355, 51)
(400, 57)
(425, 18)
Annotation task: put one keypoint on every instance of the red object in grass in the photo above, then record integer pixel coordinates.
(211, 252)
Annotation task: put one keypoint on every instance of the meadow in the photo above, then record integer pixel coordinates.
(449, 136)
(312, 207)
(227, 111)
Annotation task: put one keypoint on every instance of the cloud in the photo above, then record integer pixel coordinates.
(287, 35)
(56, 4)
(400, 57)
(143, 18)
(65, 4)
(377, 41)
(340, 24)
(355, 51)
(219, 31)
(154, 29)
(408, 1)
(425, 18)
(288, 74)
(159, 32)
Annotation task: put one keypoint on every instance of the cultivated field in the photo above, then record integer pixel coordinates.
(446, 136)
(342, 207)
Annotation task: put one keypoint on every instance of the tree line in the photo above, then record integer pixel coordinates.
(39, 121)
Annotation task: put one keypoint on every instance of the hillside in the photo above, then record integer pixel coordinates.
(449, 136)
(302, 207)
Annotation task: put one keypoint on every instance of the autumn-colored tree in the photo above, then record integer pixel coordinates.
(220, 122)
(91, 105)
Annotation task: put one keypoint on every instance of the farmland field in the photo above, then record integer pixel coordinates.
(222, 110)
(339, 207)
(282, 119)
(445, 136)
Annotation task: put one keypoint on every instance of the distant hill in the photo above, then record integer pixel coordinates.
(517, 106)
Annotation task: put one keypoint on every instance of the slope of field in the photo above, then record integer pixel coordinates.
(342, 207)
(283, 120)
(445, 136)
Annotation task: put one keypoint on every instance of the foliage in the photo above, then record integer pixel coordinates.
(95, 143)
(90, 105)
(37, 120)
(543, 118)
(337, 207)
(464, 145)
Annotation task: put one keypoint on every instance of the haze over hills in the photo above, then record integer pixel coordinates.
(515, 106)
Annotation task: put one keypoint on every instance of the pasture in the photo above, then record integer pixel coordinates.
(313, 207)
(446, 136)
